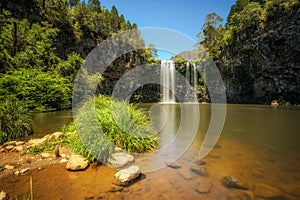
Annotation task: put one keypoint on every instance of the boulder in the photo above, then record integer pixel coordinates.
(77, 162)
(9, 143)
(129, 174)
(119, 160)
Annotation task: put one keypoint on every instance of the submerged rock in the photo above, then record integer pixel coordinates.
(268, 192)
(234, 182)
(119, 160)
(173, 165)
(199, 162)
(204, 186)
(77, 162)
(129, 174)
(201, 171)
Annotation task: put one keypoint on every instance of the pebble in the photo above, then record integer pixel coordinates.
(173, 165)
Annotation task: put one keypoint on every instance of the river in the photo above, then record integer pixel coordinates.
(259, 145)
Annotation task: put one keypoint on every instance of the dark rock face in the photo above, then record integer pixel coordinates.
(265, 64)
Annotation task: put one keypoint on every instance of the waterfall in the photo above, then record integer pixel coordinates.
(168, 81)
(188, 87)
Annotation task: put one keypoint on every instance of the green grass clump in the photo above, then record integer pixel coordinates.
(14, 121)
(122, 124)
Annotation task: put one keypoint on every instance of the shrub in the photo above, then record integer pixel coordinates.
(127, 127)
(39, 91)
(14, 121)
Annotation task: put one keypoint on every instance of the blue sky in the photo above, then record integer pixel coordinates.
(184, 17)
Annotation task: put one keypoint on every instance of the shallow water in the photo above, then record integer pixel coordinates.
(50, 122)
(260, 145)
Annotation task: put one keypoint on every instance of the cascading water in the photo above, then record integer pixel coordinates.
(168, 81)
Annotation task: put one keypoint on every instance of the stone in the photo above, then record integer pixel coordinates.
(64, 151)
(56, 135)
(265, 191)
(77, 162)
(9, 143)
(9, 147)
(2, 195)
(45, 155)
(63, 160)
(204, 186)
(37, 141)
(116, 189)
(19, 143)
(201, 171)
(17, 172)
(234, 182)
(274, 103)
(186, 174)
(119, 160)
(22, 171)
(241, 195)
(18, 148)
(199, 162)
(118, 150)
(173, 165)
(129, 174)
(9, 167)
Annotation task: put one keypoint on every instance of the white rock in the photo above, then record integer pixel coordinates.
(9, 143)
(128, 174)
(20, 143)
(9, 167)
(63, 160)
(56, 135)
(24, 170)
(45, 155)
(118, 160)
(9, 147)
(77, 162)
(19, 148)
(39, 141)
(2, 195)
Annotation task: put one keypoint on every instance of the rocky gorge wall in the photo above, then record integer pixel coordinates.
(265, 64)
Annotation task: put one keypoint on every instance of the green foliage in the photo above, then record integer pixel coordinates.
(211, 34)
(39, 91)
(14, 121)
(122, 124)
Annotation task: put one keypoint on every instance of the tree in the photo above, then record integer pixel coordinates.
(212, 32)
